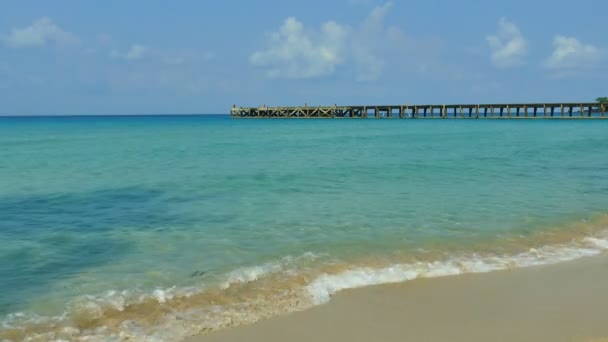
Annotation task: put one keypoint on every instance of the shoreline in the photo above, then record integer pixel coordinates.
(561, 302)
(272, 291)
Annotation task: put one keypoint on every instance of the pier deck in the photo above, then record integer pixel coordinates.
(567, 110)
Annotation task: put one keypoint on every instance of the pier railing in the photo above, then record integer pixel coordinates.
(453, 111)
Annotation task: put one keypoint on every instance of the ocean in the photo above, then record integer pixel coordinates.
(154, 228)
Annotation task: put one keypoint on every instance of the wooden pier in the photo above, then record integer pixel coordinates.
(445, 111)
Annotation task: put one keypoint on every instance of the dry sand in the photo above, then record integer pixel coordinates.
(564, 302)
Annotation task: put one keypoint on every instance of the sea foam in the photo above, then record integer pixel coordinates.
(322, 288)
(185, 315)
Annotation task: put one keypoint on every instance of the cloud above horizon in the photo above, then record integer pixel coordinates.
(569, 54)
(508, 46)
(368, 66)
(41, 32)
(295, 52)
(135, 52)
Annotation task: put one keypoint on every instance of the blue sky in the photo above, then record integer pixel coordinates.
(152, 57)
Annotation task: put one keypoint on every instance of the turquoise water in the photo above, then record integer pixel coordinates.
(136, 204)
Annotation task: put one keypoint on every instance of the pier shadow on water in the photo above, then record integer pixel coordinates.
(44, 238)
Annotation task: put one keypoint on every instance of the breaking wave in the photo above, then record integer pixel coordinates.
(249, 294)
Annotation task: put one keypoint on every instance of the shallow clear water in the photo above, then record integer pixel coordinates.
(93, 204)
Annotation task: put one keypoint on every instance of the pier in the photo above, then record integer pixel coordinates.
(568, 110)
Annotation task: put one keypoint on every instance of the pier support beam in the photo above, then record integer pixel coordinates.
(582, 111)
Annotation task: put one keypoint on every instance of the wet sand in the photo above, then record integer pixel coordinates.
(563, 302)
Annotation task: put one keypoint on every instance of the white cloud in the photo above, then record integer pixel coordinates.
(508, 45)
(39, 33)
(296, 53)
(368, 66)
(135, 52)
(570, 53)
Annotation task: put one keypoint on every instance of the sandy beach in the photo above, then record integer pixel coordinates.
(562, 302)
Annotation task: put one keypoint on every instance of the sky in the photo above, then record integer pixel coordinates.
(70, 57)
